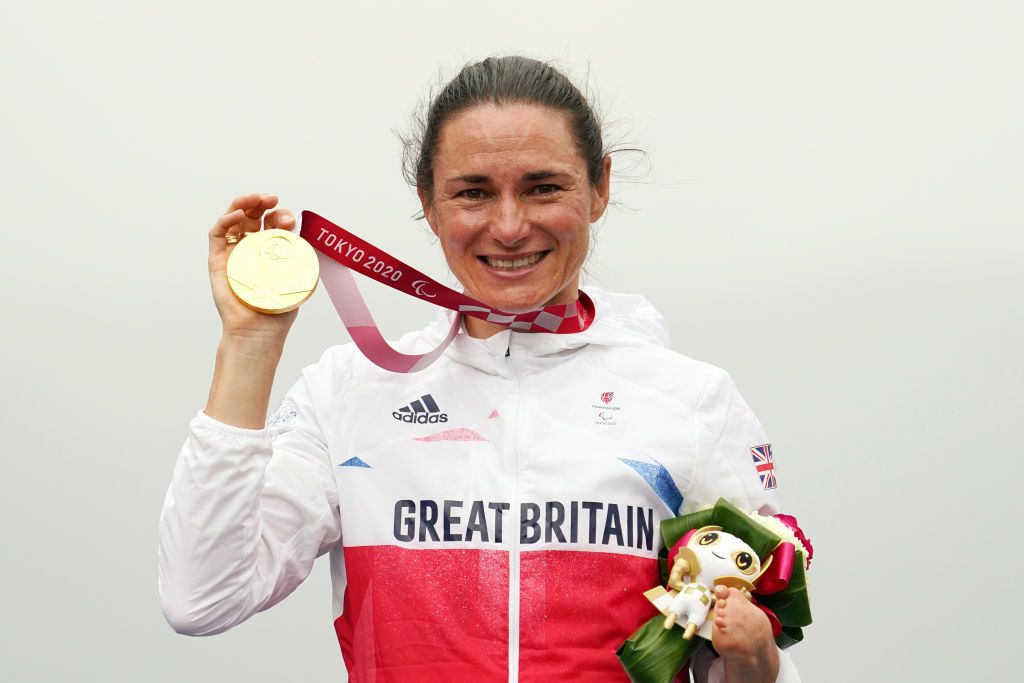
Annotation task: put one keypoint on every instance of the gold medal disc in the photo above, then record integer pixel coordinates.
(273, 271)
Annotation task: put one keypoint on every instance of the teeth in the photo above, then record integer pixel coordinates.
(512, 264)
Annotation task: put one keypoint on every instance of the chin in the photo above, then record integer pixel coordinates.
(512, 301)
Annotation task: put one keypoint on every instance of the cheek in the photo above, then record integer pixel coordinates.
(568, 221)
(451, 247)
(448, 226)
(459, 225)
(721, 568)
(456, 243)
(578, 239)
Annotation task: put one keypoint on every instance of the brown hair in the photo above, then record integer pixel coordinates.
(503, 80)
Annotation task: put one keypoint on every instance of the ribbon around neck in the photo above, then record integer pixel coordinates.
(340, 253)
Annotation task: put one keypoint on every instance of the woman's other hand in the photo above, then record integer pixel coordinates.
(742, 635)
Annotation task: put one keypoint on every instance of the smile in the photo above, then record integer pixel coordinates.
(514, 263)
(717, 555)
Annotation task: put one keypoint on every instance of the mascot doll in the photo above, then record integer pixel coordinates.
(765, 558)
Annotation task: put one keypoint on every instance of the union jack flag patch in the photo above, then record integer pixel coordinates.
(765, 465)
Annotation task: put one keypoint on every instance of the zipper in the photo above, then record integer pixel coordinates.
(513, 573)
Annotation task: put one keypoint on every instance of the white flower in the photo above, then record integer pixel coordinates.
(779, 529)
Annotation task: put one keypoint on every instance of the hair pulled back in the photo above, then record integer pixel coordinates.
(499, 81)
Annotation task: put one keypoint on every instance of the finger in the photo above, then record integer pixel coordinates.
(279, 218)
(266, 203)
(225, 224)
(254, 216)
(245, 201)
(254, 205)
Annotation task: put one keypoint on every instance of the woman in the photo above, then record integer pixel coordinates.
(508, 528)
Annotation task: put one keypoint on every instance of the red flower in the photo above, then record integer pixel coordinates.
(790, 521)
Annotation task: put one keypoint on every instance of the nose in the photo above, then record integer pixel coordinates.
(509, 224)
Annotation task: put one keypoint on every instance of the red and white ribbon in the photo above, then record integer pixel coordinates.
(340, 252)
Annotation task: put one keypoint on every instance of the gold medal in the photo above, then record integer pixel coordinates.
(273, 271)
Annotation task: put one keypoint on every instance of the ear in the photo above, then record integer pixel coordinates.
(601, 191)
(427, 206)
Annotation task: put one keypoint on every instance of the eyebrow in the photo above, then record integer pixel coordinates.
(477, 179)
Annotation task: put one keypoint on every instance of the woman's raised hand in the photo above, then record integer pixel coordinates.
(252, 342)
(243, 325)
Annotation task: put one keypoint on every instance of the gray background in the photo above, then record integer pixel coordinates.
(830, 209)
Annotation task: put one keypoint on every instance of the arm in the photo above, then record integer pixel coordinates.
(726, 468)
(244, 519)
(728, 430)
(710, 669)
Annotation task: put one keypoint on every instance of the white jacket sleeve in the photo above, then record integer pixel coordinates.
(245, 517)
(710, 669)
(728, 431)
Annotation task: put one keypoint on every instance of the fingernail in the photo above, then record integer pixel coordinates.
(287, 219)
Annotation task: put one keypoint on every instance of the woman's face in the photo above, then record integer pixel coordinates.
(512, 204)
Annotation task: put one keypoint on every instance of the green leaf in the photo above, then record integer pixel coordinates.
(791, 605)
(654, 654)
(674, 529)
(791, 635)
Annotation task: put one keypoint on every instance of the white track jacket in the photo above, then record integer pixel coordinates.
(491, 518)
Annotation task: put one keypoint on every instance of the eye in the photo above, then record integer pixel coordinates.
(473, 193)
(710, 538)
(744, 561)
(546, 188)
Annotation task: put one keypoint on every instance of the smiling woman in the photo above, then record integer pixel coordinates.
(512, 206)
(466, 505)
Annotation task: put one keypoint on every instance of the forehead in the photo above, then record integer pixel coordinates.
(495, 136)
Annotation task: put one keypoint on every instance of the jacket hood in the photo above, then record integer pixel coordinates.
(620, 320)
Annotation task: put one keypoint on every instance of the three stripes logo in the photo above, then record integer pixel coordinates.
(422, 411)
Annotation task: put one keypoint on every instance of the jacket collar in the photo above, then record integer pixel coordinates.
(620, 320)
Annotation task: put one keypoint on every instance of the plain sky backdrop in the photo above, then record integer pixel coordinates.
(830, 209)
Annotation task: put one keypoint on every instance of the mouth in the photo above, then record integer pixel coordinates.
(717, 555)
(511, 264)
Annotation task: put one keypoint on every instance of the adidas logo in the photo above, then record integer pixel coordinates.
(422, 411)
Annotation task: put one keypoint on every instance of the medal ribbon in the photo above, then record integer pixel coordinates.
(340, 252)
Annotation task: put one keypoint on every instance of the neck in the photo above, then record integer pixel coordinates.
(481, 329)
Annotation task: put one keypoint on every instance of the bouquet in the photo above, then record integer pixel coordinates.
(764, 557)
